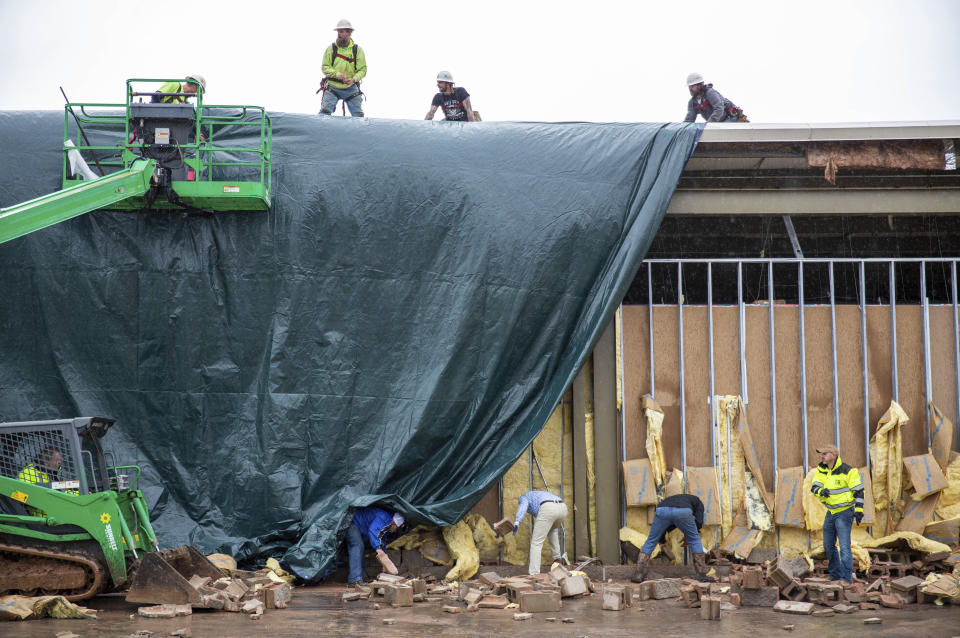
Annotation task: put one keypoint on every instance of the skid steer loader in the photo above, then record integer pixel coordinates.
(72, 524)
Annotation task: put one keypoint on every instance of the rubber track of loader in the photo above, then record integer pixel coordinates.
(26, 555)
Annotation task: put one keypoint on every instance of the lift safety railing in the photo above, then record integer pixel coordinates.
(110, 125)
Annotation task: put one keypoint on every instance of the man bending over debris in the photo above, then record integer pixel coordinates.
(548, 511)
(839, 488)
(683, 512)
(372, 523)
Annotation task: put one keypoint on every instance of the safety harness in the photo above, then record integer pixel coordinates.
(732, 112)
(325, 81)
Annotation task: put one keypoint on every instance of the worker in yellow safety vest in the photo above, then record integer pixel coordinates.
(838, 486)
(45, 466)
(189, 86)
(344, 64)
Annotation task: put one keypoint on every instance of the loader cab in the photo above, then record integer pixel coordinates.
(27, 447)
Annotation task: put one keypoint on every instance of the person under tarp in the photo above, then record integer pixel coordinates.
(370, 525)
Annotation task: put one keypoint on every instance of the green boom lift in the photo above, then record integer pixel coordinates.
(153, 155)
(75, 525)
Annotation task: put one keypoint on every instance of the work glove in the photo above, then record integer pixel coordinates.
(820, 491)
(386, 563)
(515, 528)
(858, 516)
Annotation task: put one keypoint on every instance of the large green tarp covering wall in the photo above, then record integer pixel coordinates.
(397, 328)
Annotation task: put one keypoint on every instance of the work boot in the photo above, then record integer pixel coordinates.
(700, 566)
(642, 560)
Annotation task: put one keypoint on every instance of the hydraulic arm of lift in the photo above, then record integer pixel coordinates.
(73, 201)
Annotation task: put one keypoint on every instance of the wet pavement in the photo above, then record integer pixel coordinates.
(318, 611)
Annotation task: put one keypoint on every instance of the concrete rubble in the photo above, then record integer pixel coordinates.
(250, 592)
(768, 580)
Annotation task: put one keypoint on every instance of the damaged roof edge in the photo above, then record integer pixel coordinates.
(752, 132)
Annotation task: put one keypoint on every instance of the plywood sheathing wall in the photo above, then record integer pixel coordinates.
(819, 377)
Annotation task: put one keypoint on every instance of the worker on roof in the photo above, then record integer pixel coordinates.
(838, 486)
(683, 512)
(548, 511)
(44, 469)
(455, 101)
(707, 102)
(371, 525)
(344, 65)
(188, 86)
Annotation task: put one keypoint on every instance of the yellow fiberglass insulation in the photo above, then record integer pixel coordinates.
(859, 554)
(757, 513)
(886, 458)
(793, 541)
(459, 540)
(637, 539)
(949, 505)
(410, 540)
(730, 461)
(653, 416)
(486, 540)
(813, 509)
(914, 540)
(588, 423)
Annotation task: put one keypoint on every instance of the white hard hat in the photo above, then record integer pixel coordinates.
(445, 76)
(343, 24)
(694, 78)
(196, 78)
(398, 519)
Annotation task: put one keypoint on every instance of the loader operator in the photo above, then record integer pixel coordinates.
(189, 85)
(838, 486)
(455, 102)
(344, 65)
(548, 511)
(683, 512)
(44, 469)
(372, 524)
(707, 102)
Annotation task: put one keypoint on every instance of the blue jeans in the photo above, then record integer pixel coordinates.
(681, 518)
(355, 553)
(838, 526)
(332, 95)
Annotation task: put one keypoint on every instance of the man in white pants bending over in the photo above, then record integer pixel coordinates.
(549, 512)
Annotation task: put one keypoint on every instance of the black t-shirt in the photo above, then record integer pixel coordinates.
(452, 104)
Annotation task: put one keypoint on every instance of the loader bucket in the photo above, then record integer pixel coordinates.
(164, 577)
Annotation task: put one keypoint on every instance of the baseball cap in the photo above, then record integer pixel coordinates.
(828, 448)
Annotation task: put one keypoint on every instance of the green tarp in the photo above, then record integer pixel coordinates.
(397, 328)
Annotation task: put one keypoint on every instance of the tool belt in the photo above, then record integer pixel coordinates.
(735, 114)
(325, 84)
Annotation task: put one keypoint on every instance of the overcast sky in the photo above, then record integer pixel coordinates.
(807, 61)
